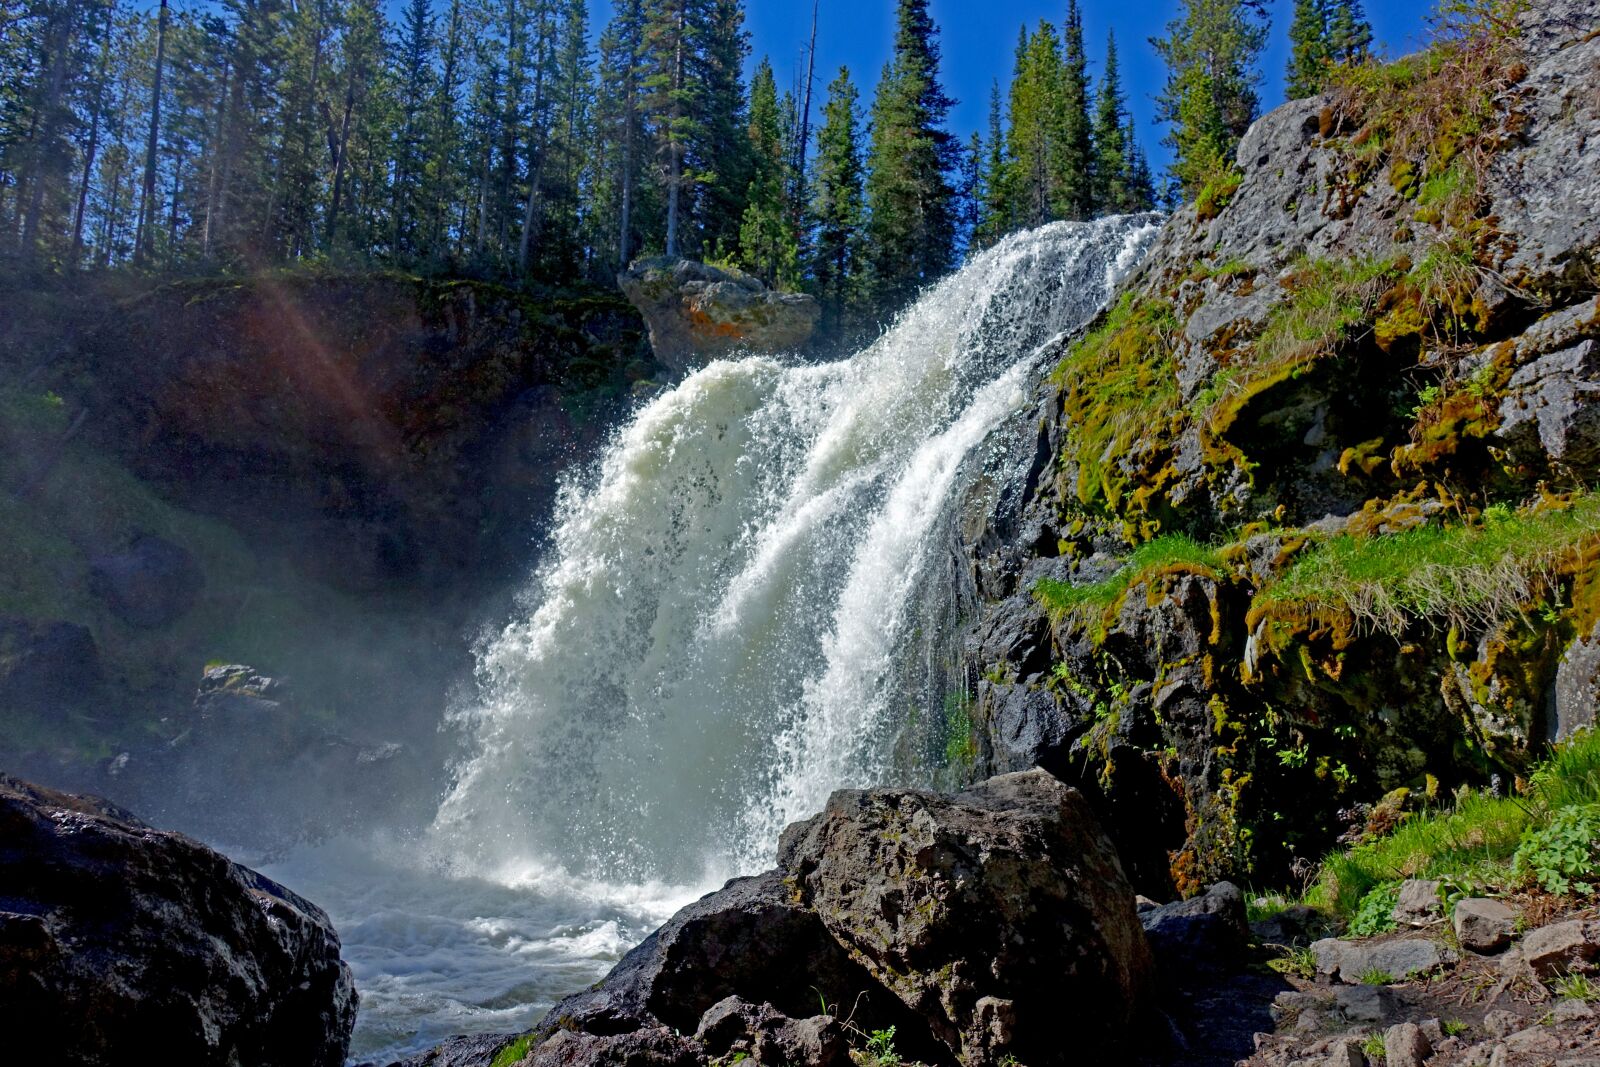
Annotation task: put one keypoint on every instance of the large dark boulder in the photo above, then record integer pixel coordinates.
(1000, 914)
(152, 583)
(1204, 935)
(753, 939)
(45, 666)
(120, 943)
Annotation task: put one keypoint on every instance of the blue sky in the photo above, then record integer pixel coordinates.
(979, 37)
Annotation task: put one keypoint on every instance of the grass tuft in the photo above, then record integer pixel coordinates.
(1467, 575)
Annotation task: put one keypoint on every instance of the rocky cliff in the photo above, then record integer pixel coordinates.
(327, 476)
(1309, 521)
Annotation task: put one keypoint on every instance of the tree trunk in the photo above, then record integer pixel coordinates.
(94, 142)
(147, 202)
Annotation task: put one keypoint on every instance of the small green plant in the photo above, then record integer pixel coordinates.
(1453, 1027)
(1374, 1048)
(1563, 857)
(1375, 976)
(514, 1052)
(880, 1047)
(1375, 913)
(1576, 987)
(1299, 962)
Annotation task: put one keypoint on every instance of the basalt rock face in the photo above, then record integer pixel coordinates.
(373, 420)
(1373, 328)
(119, 942)
(698, 313)
(980, 926)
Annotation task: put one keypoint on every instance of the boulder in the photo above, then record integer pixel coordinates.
(751, 939)
(656, 1046)
(697, 313)
(474, 1050)
(1207, 933)
(1483, 925)
(770, 1038)
(1551, 410)
(119, 941)
(152, 583)
(1418, 902)
(1556, 949)
(45, 666)
(999, 914)
(1353, 961)
(1405, 1045)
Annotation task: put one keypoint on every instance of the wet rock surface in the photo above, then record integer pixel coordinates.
(117, 937)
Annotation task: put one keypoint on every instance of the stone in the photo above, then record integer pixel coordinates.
(152, 583)
(1569, 1011)
(1551, 409)
(116, 936)
(1352, 961)
(1531, 1041)
(476, 1050)
(1405, 1045)
(1346, 1053)
(1009, 890)
(734, 1025)
(1418, 903)
(46, 667)
(1483, 925)
(1500, 1022)
(1558, 948)
(1367, 1003)
(1576, 694)
(697, 313)
(656, 1046)
(1405, 958)
(1209, 932)
(1294, 925)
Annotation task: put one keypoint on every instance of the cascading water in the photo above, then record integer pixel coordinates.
(710, 649)
(716, 640)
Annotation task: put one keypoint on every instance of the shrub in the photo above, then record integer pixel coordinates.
(1563, 857)
(1375, 913)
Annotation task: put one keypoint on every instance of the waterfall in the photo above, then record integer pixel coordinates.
(711, 644)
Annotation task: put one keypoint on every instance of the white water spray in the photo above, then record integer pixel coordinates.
(711, 645)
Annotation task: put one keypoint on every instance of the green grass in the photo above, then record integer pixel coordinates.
(1465, 575)
(1470, 841)
(1092, 599)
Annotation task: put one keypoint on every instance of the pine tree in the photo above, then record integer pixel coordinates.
(1307, 71)
(722, 155)
(1073, 192)
(620, 144)
(415, 57)
(836, 205)
(1211, 51)
(911, 220)
(997, 217)
(1037, 128)
(767, 243)
(1349, 32)
(1113, 162)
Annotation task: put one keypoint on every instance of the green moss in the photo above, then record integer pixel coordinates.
(1120, 391)
(1217, 193)
(514, 1052)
